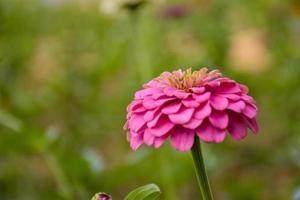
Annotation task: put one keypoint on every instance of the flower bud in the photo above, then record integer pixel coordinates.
(102, 196)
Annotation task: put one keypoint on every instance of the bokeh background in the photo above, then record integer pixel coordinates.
(68, 69)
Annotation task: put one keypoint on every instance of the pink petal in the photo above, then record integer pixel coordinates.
(151, 114)
(201, 97)
(136, 141)
(148, 138)
(190, 102)
(159, 95)
(203, 111)
(149, 103)
(233, 97)
(219, 119)
(169, 91)
(204, 132)
(252, 124)
(219, 135)
(182, 139)
(244, 88)
(181, 94)
(237, 127)
(237, 106)
(136, 122)
(162, 101)
(228, 87)
(198, 89)
(218, 102)
(145, 92)
(171, 108)
(182, 116)
(250, 111)
(152, 83)
(136, 107)
(139, 109)
(153, 122)
(160, 140)
(162, 127)
(208, 133)
(134, 104)
(193, 123)
(213, 84)
(247, 98)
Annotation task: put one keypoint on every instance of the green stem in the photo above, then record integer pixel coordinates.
(200, 171)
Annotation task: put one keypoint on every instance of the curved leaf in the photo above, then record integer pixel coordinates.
(146, 192)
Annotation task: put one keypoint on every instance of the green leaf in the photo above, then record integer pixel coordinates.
(146, 192)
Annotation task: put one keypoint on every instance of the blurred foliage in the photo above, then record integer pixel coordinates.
(68, 69)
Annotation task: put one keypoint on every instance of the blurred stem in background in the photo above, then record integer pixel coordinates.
(165, 173)
(141, 58)
(58, 174)
(10, 121)
(143, 61)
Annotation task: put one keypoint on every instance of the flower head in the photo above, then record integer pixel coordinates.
(181, 104)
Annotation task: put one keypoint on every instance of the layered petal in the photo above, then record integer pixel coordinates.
(151, 114)
(136, 122)
(171, 108)
(236, 126)
(193, 123)
(252, 124)
(208, 133)
(158, 141)
(236, 106)
(201, 97)
(249, 110)
(162, 127)
(219, 119)
(136, 140)
(227, 87)
(203, 111)
(219, 102)
(182, 116)
(190, 102)
(182, 139)
(149, 103)
(148, 138)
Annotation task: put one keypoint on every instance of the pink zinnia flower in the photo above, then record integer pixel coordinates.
(182, 104)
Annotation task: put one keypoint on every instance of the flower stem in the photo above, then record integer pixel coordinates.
(200, 171)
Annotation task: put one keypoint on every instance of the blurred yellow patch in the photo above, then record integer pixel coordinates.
(248, 52)
(47, 60)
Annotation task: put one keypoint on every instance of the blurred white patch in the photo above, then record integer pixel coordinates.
(52, 134)
(109, 7)
(295, 156)
(94, 159)
(296, 195)
(136, 156)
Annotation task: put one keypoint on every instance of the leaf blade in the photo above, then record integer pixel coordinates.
(146, 192)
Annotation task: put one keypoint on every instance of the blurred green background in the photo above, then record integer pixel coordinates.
(68, 69)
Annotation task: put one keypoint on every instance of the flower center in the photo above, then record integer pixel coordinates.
(188, 79)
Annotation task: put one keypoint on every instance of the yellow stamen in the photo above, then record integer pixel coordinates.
(188, 79)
